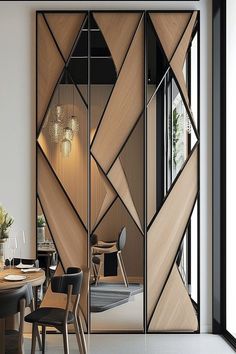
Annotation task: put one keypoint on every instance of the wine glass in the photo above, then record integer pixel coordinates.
(9, 253)
(22, 242)
(12, 248)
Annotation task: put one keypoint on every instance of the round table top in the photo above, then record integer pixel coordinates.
(35, 278)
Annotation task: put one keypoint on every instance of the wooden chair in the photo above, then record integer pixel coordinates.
(110, 247)
(70, 284)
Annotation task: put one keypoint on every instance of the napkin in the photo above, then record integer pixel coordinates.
(30, 270)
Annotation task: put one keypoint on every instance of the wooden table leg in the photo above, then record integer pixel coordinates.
(2, 336)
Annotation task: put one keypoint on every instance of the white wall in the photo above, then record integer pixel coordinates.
(17, 116)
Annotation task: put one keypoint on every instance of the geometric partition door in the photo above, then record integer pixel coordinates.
(118, 148)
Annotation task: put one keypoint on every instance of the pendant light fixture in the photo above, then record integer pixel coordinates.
(56, 124)
(73, 121)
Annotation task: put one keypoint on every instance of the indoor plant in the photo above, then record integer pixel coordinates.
(5, 223)
(41, 223)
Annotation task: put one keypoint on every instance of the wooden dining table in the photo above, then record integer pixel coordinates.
(34, 278)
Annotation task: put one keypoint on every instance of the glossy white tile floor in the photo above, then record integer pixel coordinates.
(141, 344)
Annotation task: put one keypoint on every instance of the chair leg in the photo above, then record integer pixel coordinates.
(65, 340)
(43, 339)
(98, 273)
(81, 330)
(34, 334)
(32, 308)
(122, 268)
(78, 337)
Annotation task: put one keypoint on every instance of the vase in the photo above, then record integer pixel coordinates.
(2, 254)
(40, 234)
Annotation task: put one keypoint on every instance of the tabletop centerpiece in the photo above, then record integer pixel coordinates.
(5, 223)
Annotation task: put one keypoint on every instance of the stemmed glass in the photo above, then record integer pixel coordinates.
(12, 249)
(22, 242)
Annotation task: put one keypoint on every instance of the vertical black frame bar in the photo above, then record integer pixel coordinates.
(145, 177)
(219, 168)
(89, 171)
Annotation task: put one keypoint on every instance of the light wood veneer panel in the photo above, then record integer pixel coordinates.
(164, 235)
(169, 28)
(50, 66)
(118, 30)
(174, 311)
(132, 161)
(68, 233)
(125, 105)
(178, 59)
(65, 28)
(119, 181)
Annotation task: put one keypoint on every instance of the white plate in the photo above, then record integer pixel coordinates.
(12, 277)
(24, 266)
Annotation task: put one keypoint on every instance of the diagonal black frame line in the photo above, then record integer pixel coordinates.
(158, 86)
(169, 61)
(69, 57)
(141, 231)
(61, 74)
(140, 217)
(185, 104)
(49, 228)
(173, 184)
(100, 121)
(127, 138)
(76, 37)
(106, 211)
(62, 187)
(190, 12)
(76, 86)
(174, 261)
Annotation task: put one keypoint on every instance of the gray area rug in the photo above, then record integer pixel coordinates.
(105, 296)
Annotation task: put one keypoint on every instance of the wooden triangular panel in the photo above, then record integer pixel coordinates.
(65, 28)
(102, 194)
(133, 151)
(68, 233)
(174, 311)
(118, 30)
(166, 231)
(50, 66)
(118, 179)
(170, 28)
(124, 107)
(178, 59)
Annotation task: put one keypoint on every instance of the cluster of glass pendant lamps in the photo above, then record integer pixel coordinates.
(62, 128)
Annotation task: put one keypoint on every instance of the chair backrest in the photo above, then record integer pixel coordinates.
(24, 261)
(121, 239)
(73, 277)
(10, 300)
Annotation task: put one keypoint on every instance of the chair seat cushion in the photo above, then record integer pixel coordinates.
(49, 316)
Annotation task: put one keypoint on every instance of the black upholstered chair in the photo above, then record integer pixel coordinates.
(13, 301)
(102, 247)
(70, 284)
(17, 261)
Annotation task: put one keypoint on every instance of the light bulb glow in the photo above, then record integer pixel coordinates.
(65, 147)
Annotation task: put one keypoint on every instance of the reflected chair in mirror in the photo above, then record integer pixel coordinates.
(69, 284)
(110, 247)
(14, 301)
